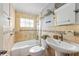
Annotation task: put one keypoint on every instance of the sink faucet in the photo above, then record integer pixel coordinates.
(61, 37)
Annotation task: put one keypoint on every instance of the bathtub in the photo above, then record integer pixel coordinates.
(22, 48)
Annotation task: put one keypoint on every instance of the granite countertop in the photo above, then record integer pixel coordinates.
(2, 52)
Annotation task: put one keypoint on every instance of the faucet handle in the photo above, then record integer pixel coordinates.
(55, 36)
(61, 37)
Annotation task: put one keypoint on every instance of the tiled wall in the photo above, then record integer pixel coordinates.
(22, 33)
(66, 28)
(25, 35)
(69, 36)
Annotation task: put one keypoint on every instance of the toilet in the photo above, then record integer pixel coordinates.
(38, 50)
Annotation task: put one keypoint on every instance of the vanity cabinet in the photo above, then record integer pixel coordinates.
(7, 22)
(66, 14)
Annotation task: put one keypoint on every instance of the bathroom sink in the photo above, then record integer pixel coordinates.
(63, 47)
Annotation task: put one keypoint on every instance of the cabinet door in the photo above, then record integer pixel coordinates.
(4, 17)
(5, 23)
(6, 40)
(65, 14)
(6, 8)
(12, 17)
(9, 45)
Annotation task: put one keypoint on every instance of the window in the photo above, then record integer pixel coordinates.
(26, 22)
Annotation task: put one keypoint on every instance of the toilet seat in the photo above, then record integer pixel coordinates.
(36, 49)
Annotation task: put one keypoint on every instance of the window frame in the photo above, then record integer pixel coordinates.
(26, 23)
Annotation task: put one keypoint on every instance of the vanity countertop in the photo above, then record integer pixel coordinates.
(2, 52)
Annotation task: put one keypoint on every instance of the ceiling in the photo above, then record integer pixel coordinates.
(33, 8)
